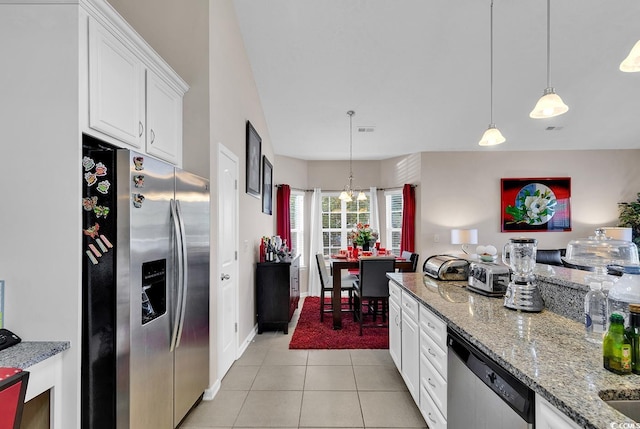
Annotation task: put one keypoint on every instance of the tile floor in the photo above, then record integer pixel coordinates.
(271, 386)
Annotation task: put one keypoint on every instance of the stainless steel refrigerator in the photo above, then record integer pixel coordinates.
(145, 315)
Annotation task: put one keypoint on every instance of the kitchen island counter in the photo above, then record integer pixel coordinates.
(544, 350)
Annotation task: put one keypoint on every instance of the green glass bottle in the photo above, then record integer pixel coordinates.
(616, 348)
(633, 334)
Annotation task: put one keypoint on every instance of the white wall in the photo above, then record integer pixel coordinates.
(40, 153)
(462, 189)
(234, 100)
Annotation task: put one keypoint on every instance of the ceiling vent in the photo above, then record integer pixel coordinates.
(554, 128)
(366, 129)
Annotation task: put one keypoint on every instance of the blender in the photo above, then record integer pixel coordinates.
(522, 293)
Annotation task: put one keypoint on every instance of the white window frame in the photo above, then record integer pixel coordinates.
(345, 229)
(388, 215)
(297, 198)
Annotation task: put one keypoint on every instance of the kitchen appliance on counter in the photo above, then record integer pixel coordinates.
(446, 267)
(598, 251)
(145, 299)
(488, 279)
(480, 393)
(522, 292)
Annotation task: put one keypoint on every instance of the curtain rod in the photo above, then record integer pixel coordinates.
(340, 190)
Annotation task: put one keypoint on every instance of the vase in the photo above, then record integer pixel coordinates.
(365, 246)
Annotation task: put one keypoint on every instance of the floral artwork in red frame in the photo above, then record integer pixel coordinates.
(535, 204)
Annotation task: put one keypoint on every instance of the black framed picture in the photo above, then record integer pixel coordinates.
(254, 153)
(267, 186)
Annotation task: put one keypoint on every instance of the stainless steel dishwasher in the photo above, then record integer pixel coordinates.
(481, 394)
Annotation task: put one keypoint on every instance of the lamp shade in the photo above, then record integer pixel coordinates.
(549, 105)
(491, 137)
(618, 232)
(464, 236)
(632, 62)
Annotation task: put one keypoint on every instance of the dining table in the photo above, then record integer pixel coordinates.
(345, 263)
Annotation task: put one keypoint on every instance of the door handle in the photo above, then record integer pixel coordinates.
(225, 276)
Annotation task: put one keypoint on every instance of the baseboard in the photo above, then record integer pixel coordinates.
(212, 391)
(247, 341)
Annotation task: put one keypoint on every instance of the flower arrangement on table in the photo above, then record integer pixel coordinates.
(363, 235)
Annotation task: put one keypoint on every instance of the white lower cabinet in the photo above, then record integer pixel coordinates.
(395, 336)
(432, 415)
(549, 417)
(410, 345)
(433, 369)
(418, 346)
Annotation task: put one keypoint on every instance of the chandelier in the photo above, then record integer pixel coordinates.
(348, 192)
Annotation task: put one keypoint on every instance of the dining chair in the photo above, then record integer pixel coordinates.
(410, 256)
(13, 387)
(371, 290)
(326, 285)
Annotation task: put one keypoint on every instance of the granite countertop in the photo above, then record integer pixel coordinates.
(546, 351)
(28, 353)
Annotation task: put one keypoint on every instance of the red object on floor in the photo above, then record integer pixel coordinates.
(310, 333)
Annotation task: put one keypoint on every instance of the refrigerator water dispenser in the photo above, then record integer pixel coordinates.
(154, 290)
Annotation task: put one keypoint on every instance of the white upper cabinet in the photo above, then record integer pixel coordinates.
(134, 96)
(116, 88)
(164, 120)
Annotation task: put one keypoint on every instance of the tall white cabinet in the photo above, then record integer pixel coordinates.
(46, 79)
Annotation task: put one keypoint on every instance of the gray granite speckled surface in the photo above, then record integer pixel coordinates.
(546, 351)
(28, 353)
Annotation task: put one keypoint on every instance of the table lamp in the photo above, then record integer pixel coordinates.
(618, 232)
(464, 237)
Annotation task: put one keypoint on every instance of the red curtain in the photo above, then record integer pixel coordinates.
(407, 239)
(283, 217)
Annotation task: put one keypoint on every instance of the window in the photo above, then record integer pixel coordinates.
(296, 213)
(338, 218)
(394, 206)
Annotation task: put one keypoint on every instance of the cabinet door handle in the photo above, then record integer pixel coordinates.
(225, 276)
(430, 352)
(431, 418)
(153, 136)
(397, 320)
(428, 323)
(140, 128)
(430, 383)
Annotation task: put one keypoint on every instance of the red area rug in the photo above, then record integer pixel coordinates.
(311, 334)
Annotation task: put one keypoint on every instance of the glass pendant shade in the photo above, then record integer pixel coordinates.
(491, 137)
(549, 105)
(362, 196)
(632, 62)
(345, 196)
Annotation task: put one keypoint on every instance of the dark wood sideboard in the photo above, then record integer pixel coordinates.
(277, 293)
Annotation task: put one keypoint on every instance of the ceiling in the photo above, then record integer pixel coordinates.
(417, 72)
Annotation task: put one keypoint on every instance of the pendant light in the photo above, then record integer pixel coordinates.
(492, 136)
(348, 191)
(550, 104)
(632, 62)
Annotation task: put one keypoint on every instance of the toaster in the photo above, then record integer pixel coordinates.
(445, 267)
(488, 279)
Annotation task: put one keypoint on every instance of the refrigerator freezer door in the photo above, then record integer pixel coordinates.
(192, 350)
(151, 289)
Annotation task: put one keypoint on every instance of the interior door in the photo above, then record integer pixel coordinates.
(227, 260)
